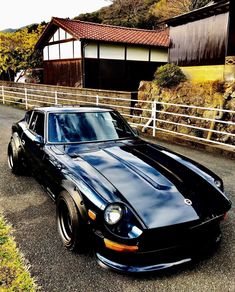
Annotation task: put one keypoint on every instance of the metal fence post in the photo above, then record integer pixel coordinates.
(3, 96)
(56, 98)
(26, 98)
(154, 117)
(97, 99)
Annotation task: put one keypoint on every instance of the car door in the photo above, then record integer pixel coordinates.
(33, 143)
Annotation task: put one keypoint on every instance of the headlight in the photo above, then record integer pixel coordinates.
(113, 214)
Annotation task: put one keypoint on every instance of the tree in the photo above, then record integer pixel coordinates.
(195, 4)
(129, 13)
(17, 50)
(91, 17)
(165, 9)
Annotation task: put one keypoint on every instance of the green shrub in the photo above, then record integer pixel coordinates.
(169, 75)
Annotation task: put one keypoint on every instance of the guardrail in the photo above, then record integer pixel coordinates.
(216, 127)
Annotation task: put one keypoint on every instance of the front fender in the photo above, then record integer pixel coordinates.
(75, 193)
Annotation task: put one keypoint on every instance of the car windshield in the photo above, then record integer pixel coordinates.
(86, 127)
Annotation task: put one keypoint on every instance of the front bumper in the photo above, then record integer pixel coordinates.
(128, 268)
(176, 250)
(106, 263)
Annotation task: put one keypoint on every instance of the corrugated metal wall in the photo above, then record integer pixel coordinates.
(202, 42)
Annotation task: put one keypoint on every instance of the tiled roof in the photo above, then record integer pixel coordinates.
(109, 33)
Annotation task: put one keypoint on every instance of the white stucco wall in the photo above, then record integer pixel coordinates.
(72, 49)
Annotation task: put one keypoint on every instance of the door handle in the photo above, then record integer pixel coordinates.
(23, 142)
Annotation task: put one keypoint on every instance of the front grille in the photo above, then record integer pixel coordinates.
(179, 235)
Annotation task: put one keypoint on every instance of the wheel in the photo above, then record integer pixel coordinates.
(70, 225)
(15, 162)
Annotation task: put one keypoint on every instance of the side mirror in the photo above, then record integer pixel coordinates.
(38, 140)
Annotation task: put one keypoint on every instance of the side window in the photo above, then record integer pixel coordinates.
(37, 123)
(27, 116)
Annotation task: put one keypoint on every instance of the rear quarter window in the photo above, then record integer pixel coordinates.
(37, 123)
(28, 116)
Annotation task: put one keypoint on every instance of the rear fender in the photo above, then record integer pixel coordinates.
(16, 146)
(16, 140)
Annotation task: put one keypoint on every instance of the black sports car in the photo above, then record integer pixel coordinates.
(143, 207)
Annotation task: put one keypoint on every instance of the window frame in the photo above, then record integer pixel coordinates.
(32, 130)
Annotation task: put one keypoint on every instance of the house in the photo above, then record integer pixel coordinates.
(203, 41)
(90, 55)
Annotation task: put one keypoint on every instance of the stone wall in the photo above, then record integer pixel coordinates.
(44, 95)
(207, 94)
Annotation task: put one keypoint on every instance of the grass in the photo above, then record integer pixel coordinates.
(14, 274)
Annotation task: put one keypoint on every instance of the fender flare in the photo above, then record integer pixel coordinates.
(76, 195)
(16, 140)
(16, 146)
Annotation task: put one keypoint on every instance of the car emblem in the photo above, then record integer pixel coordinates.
(188, 202)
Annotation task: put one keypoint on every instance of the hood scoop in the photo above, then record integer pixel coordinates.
(139, 172)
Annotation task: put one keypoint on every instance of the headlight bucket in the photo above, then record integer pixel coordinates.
(121, 221)
(113, 213)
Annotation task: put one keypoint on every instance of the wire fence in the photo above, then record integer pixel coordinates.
(206, 124)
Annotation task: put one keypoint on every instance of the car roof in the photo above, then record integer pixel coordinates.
(75, 108)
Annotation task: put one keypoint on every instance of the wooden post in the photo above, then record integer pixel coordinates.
(154, 117)
(56, 98)
(3, 96)
(26, 98)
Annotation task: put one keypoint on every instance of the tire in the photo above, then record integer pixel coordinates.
(70, 225)
(15, 162)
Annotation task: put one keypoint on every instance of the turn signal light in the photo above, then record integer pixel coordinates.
(92, 214)
(120, 247)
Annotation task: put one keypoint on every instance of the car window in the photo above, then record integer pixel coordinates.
(28, 116)
(87, 126)
(37, 123)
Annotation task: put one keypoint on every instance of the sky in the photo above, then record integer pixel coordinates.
(15, 13)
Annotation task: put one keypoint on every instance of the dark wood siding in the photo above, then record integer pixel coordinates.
(202, 42)
(116, 74)
(63, 72)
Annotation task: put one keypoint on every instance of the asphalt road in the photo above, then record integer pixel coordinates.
(32, 214)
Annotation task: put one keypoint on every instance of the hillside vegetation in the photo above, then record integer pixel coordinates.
(141, 13)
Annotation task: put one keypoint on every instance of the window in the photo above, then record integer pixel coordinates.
(27, 116)
(37, 123)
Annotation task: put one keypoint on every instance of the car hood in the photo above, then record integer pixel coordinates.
(154, 182)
